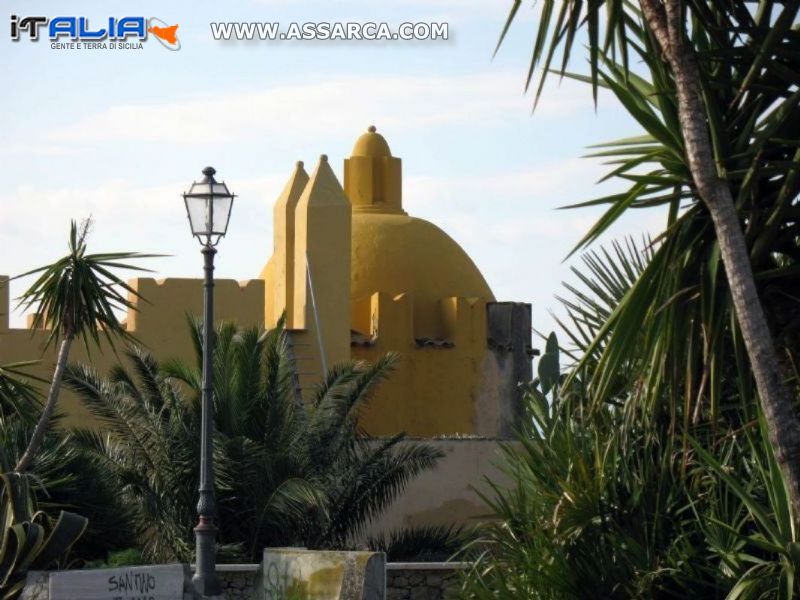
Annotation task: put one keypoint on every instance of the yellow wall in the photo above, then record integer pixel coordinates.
(450, 492)
(159, 324)
(416, 292)
(433, 389)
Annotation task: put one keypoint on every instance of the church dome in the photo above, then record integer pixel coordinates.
(395, 254)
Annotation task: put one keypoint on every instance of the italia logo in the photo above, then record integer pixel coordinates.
(113, 32)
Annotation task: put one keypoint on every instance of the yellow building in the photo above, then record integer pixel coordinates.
(357, 277)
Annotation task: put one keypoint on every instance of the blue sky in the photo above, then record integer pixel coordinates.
(120, 134)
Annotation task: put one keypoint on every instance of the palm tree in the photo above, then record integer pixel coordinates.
(76, 296)
(721, 112)
(288, 472)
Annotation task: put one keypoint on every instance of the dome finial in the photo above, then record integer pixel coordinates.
(372, 129)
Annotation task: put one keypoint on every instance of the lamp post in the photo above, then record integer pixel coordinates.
(208, 206)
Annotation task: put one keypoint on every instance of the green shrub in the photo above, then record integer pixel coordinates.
(433, 543)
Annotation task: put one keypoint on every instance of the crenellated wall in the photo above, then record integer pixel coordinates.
(463, 382)
(407, 288)
(435, 378)
(159, 322)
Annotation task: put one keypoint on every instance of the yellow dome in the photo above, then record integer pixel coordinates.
(396, 254)
(371, 144)
(391, 252)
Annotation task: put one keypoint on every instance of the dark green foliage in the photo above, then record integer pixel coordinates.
(597, 508)
(608, 499)
(433, 543)
(123, 558)
(147, 449)
(119, 558)
(19, 397)
(750, 529)
(63, 477)
(287, 472)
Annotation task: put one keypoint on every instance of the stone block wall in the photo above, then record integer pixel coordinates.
(404, 581)
(238, 581)
(422, 581)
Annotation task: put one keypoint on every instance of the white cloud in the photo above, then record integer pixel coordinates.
(519, 208)
(307, 109)
(127, 217)
(39, 147)
(508, 223)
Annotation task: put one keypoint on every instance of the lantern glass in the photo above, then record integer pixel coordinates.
(208, 206)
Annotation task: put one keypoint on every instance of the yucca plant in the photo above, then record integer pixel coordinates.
(715, 92)
(76, 297)
(288, 472)
(604, 500)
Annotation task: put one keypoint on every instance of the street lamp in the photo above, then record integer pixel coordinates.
(208, 206)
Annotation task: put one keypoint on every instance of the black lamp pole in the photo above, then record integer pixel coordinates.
(208, 206)
(205, 578)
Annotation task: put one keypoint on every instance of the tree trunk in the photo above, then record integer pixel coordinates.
(666, 22)
(49, 408)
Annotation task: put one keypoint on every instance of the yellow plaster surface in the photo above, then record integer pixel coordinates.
(158, 324)
(398, 254)
(283, 246)
(322, 249)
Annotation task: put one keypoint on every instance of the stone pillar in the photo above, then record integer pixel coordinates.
(508, 364)
(321, 574)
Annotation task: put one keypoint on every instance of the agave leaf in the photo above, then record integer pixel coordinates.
(67, 529)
